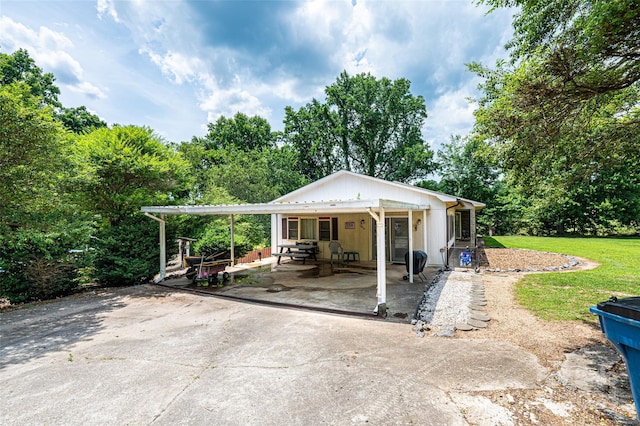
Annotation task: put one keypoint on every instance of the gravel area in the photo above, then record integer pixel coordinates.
(517, 260)
(455, 299)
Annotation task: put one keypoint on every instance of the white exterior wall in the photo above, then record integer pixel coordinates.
(437, 234)
(431, 233)
(355, 187)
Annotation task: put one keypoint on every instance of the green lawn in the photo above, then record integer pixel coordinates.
(568, 295)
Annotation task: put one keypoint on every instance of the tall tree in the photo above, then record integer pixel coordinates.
(465, 171)
(564, 113)
(118, 170)
(31, 153)
(367, 125)
(80, 120)
(243, 132)
(568, 101)
(240, 154)
(21, 67)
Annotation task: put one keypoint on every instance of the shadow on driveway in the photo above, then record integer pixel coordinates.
(33, 331)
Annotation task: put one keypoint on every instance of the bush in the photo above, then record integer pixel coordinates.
(127, 253)
(216, 238)
(37, 267)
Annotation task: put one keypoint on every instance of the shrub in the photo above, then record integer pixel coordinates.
(216, 238)
(127, 253)
(37, 266)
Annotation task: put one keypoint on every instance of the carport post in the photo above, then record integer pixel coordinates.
(381, 262)
(163, 246)
(233, 261)
(410, 257)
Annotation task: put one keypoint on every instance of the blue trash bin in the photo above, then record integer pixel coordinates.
(620, 322)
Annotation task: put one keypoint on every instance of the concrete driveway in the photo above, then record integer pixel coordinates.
(151, 355)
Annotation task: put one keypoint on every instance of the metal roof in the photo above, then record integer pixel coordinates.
(337, 206)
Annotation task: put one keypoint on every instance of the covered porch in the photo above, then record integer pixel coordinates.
(376, 209)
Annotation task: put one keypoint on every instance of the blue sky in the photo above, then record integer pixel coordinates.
(174, 65)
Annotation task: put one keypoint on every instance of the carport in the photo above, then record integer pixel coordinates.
(377, 209)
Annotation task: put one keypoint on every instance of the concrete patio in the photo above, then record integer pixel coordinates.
(317, 285)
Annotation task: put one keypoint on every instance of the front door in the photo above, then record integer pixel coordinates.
(397, 241)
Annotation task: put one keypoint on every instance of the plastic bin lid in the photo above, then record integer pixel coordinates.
(628, 307)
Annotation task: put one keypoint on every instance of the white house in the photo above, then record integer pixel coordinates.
(378, 219)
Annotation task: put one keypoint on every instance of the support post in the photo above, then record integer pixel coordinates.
(382, 265)
(425, 241)
(163, 246)
(410, 257)
(233, 260)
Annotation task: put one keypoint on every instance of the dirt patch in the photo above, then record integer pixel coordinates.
(550, 341)
(516, 260)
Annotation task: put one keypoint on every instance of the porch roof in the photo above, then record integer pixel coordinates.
(314, 207)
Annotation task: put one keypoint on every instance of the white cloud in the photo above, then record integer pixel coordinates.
(228, 102)
(49, 49)
(180, 68)
(88, 89)
(107, 7)
(217, 58)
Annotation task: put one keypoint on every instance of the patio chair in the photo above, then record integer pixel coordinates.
(336, 249)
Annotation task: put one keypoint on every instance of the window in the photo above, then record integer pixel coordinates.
(308, 229)
(293, 228)
(324, 224)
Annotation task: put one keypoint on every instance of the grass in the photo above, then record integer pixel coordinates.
(568, 295)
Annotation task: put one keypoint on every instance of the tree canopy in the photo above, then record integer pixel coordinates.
(31, 153)
(367, 125)
(121, 169)
(80, 120)
(21, 67)
(563, 115)
(568, 102)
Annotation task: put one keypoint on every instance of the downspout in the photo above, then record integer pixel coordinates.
(163, 246)
(446, 244)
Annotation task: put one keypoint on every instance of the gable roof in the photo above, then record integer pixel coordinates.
(342, 176)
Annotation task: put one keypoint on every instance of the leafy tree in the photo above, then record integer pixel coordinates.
(367, 125)
(118, 170)
(573, 88)
(464, 169)
(31, 153)
(238, 161)
(19, 67)
(311, 134)
(241, 132)
(127, 253)
(235, 150)
(36, 226)
(563, 115)
(79, 120)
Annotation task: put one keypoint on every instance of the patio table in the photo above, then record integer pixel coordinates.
(297, 251)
